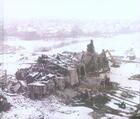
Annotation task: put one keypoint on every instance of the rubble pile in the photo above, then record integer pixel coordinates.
(64, 70)
(50, 74)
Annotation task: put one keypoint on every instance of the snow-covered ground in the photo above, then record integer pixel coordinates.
(48, 108)
(28, 51)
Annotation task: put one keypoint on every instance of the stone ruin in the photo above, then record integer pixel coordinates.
(61, 71)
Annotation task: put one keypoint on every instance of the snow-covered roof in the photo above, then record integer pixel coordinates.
(50, 75)
(65, 60)
(23, 83)
(33, 74)
(36, 84)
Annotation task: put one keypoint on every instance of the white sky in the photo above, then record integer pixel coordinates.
(72, 9)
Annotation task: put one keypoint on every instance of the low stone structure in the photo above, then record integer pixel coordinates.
(37, 90)
(3, 78)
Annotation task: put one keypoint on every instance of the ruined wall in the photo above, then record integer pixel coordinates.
(73, 76)
(37, 91)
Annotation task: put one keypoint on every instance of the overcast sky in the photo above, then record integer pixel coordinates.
(72, 9)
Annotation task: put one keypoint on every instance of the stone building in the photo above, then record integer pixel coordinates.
(61, 71)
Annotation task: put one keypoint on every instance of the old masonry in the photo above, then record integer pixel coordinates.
(84, 70)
